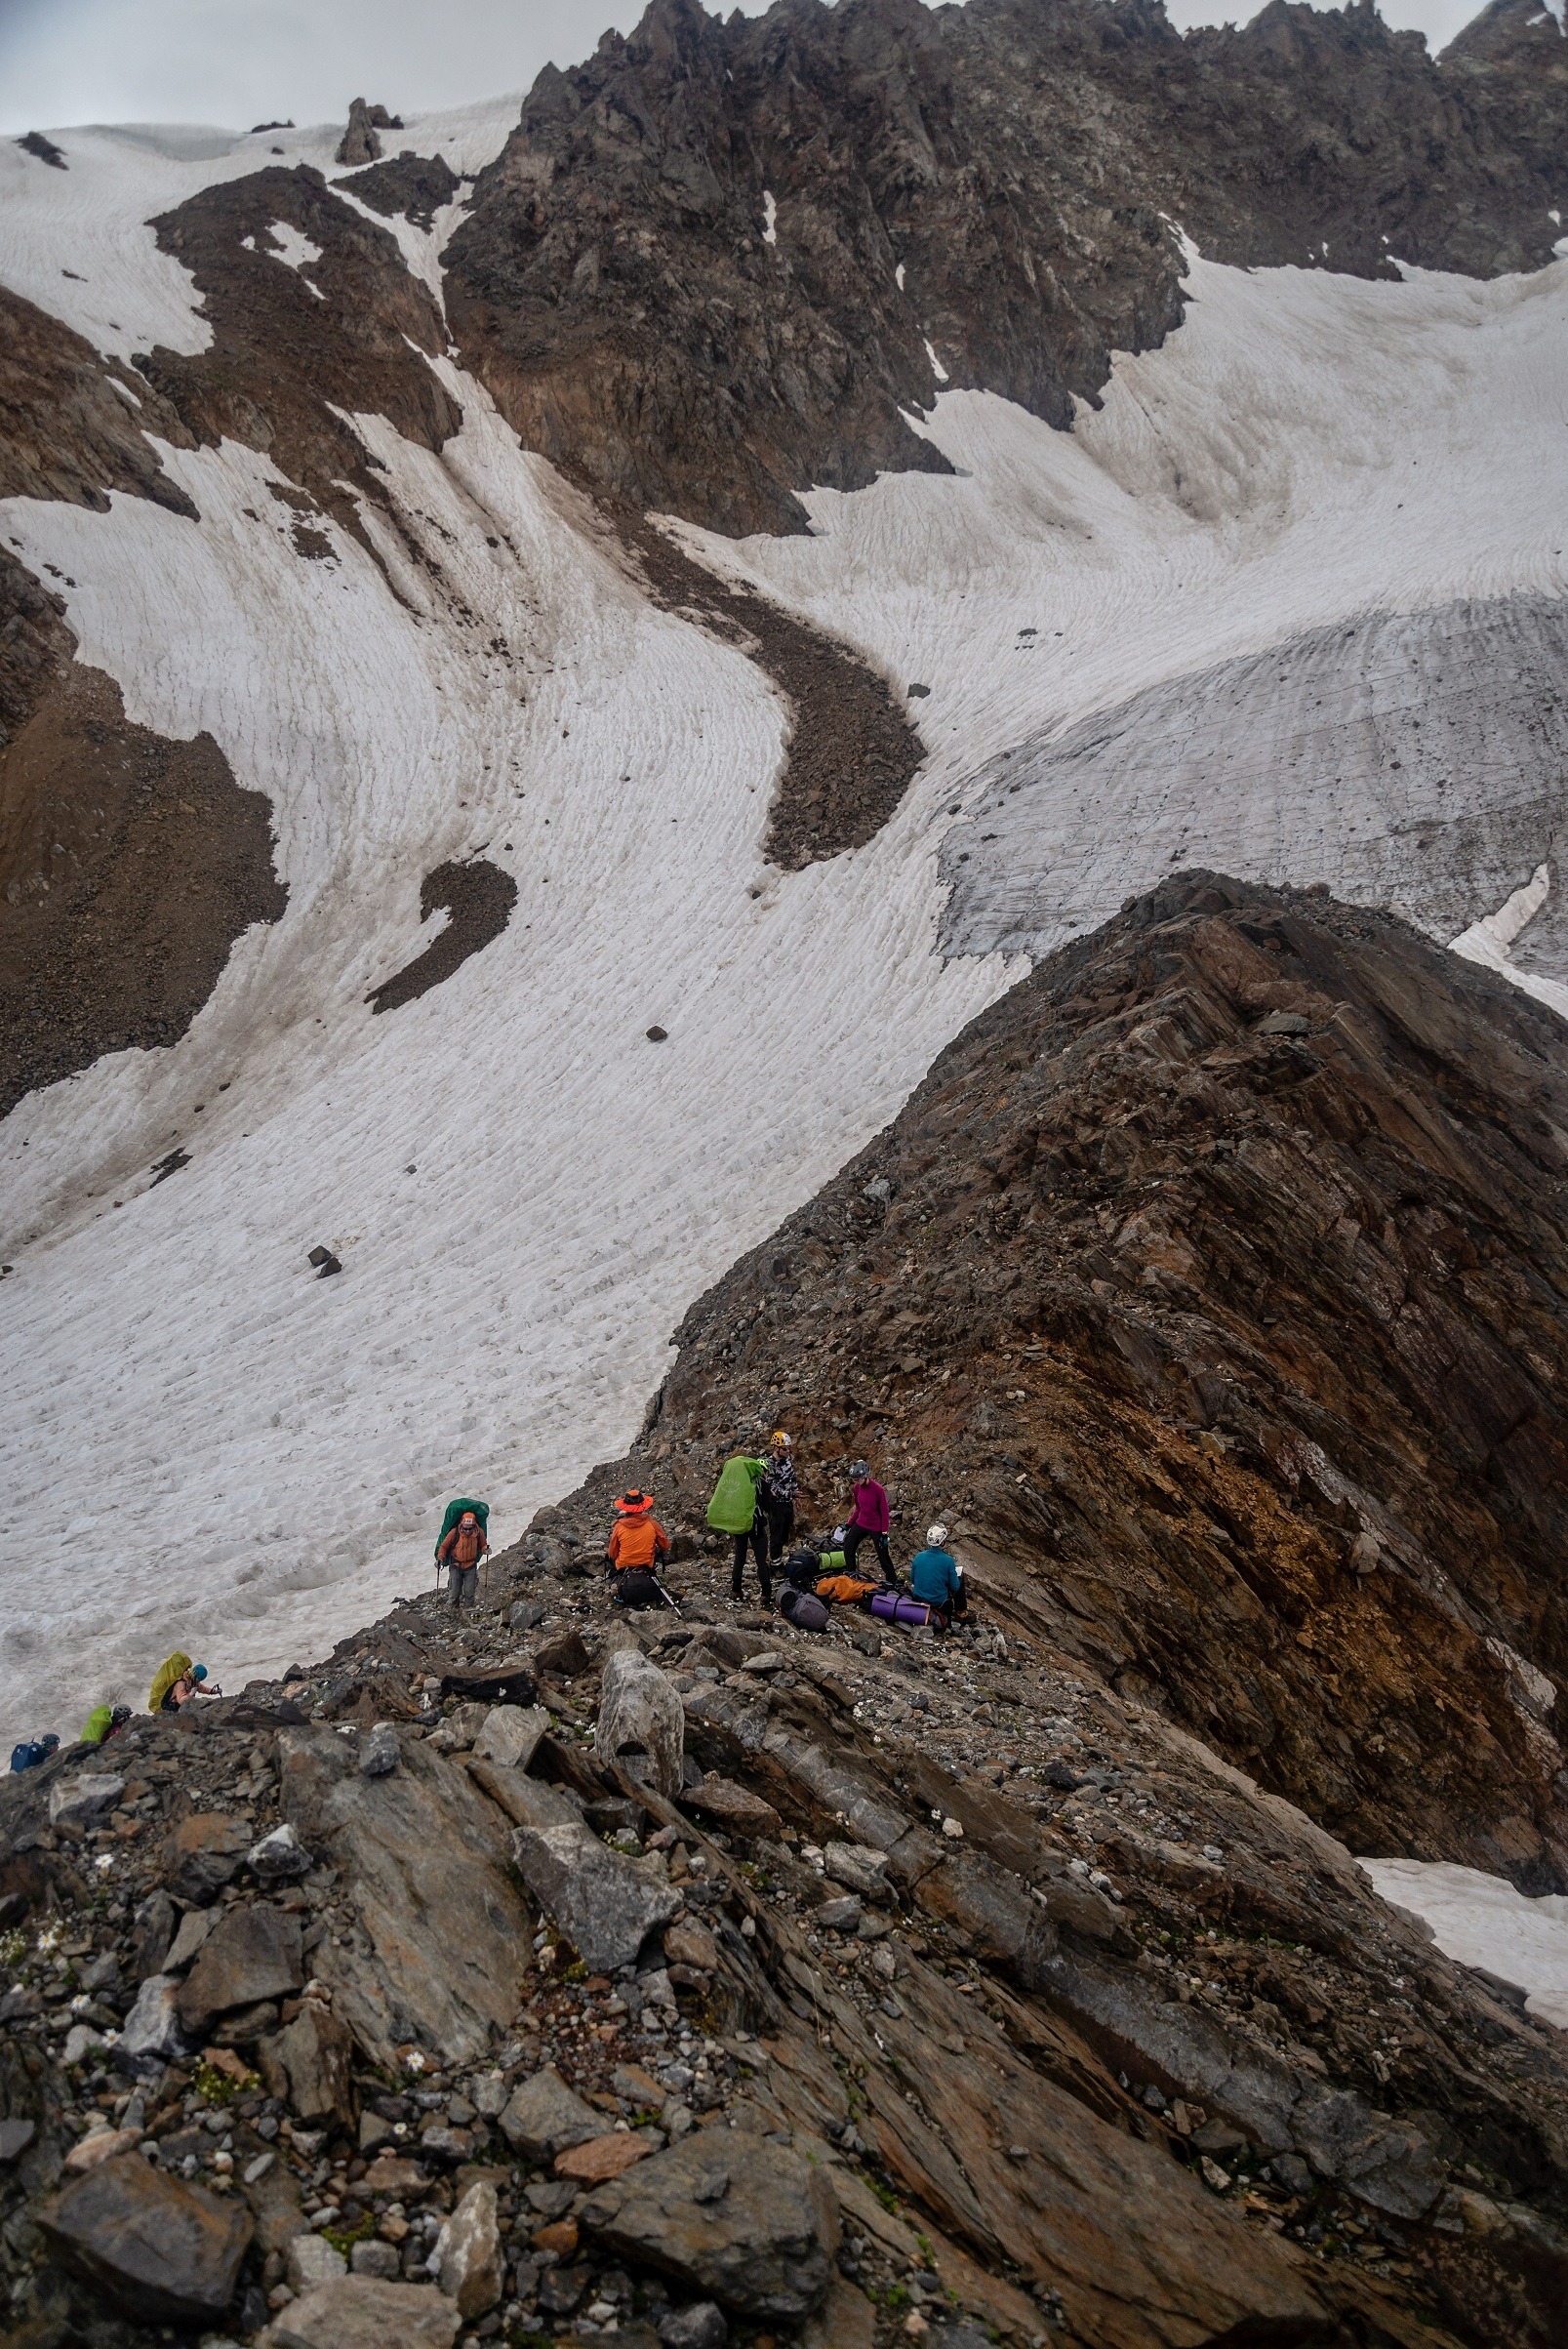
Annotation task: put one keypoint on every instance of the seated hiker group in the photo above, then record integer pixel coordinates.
(754, 1502)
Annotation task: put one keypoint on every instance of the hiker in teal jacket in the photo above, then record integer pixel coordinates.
(736, 1509)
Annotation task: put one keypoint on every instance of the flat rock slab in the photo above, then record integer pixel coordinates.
(746, 2223)
(542, 2118)
(251, 1955)
(605, 1904)
(602, 2158)
(732, 1805)
(361, 2312)
(423, 1861)
(159, 2250)
(511, 1733)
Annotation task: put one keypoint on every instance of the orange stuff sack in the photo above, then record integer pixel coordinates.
(844, 1589)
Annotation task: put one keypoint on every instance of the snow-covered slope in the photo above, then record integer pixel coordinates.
(1483, 1921)
(204, 1444)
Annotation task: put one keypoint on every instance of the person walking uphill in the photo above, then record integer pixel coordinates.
(460, 1551)
(736, 1509)
(869, 1520)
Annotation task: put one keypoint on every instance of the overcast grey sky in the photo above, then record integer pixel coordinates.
(239, 61)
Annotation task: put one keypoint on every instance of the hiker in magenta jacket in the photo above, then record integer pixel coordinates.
(869, 1520)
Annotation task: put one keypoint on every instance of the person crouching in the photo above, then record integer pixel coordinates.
(637, 1542)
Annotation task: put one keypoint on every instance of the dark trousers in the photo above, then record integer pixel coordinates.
(780, 1525)
(757, 1542)
(852, 1538)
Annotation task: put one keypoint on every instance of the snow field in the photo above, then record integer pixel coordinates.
(1480, 1920)
(1305, 449)
(255, 1458)
(250, 1462)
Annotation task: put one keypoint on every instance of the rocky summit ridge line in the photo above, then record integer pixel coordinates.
(523, 1974)
(721, 263)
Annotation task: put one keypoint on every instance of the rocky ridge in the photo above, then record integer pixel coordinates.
(720, 262)
(540, 1973)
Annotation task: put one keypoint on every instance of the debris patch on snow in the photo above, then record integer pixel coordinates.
(479, 900)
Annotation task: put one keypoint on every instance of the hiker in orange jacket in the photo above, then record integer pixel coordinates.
(636, 1544)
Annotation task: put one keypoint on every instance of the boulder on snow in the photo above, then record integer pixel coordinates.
(642, 1724)
(157, 2249)
(605, 1904)
(750, 2224)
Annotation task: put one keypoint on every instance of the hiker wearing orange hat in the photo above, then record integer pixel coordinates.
(637, 1542)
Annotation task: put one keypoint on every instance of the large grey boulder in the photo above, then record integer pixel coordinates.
(85, 1800)
(467, 2253)
(642, 1724)
(378, 1751)
(279, 1855)
(361, 2312)
(746, 2223)
(153, 2034)
(605, 1904)
(158, 2249)
(542, 2118)
(511, 1733)
(251, 1954)
(423, 1862)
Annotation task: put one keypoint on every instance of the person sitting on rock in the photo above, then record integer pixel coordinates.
(35, 1749)
(736, 1508)
(460, 1553)
(175, 1681)
(869, 1520)
(937, 1577)
(637, 1542)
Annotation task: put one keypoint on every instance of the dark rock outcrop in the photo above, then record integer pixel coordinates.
(1238, 1355)
(704, 271)
(478, 898)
